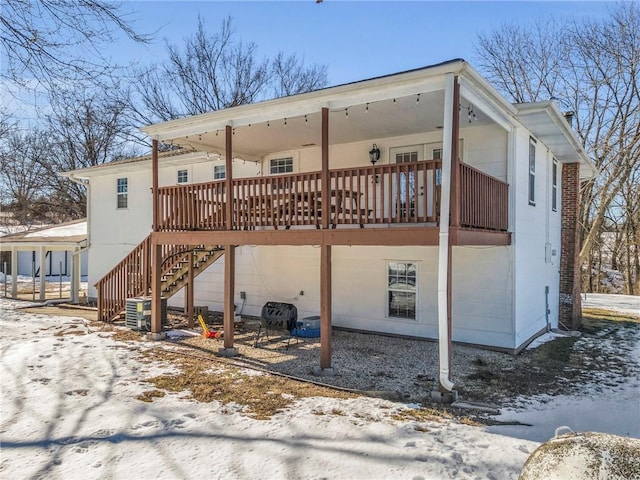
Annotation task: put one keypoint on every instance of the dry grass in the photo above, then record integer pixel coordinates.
(421, 415)
(262, 395)
(601, 313)
(122, 335)
(69, 331)
(149, 395)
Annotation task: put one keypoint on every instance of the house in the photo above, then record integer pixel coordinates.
(51, 251)
(421, 203)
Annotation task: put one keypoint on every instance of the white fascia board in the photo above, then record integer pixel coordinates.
(383, 88)
(495, 111)
(29, 246)
(111, 168)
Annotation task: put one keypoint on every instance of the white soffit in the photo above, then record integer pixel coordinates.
(546, 123)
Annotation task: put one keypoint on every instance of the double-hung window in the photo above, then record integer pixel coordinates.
(532, 171)
(401, 290)
(554, 185)
(219, 172)
(281, 165)
(122, 193)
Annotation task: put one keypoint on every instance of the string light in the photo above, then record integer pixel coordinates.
(285, 121)
(366, 109)
(216, 133)
(306, 120)
(418, 99)
(346, 112)
(268, 124)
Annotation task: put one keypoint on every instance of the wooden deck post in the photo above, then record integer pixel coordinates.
(156, 252)
(229, 250)
(325, 308)
(228, 185)
(229, 292)
(325, 255)
(189, 293)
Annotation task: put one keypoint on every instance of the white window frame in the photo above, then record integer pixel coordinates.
(122, 193)
(217, 170)
(282, 165)
(181, 172)
(554, 185)
(532, 171)
(388, 290)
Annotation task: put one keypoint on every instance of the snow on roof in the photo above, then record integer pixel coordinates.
(64, 230)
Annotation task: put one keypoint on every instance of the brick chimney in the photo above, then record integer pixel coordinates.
(570, 311)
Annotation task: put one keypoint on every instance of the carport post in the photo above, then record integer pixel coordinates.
(14, 272)
(43, 273)
(76, 262)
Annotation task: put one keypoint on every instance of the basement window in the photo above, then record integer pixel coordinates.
(122, 192)
(401, 289)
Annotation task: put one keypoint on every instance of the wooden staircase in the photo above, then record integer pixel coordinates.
(131, 277)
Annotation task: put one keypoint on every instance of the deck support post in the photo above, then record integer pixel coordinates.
(229, 292)
(156, 253)
(325, 257)
(229, 251)
(189, 293)
(325, 310)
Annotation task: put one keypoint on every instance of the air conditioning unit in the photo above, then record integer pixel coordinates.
(138, 313)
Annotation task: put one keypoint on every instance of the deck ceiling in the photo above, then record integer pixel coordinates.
(376, 120)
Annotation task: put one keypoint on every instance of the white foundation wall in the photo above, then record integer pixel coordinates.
(482, 281)
(536, 242)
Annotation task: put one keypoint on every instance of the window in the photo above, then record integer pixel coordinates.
(281, 165)
(183, 176)
(401, 290)
(123, 192)
(554, 185)
(532, 171)
(219, 172)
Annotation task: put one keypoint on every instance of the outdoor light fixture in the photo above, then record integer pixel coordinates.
(374, 154)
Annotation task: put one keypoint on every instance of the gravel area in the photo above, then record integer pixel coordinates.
(407, 369)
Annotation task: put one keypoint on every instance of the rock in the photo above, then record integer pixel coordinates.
(584, 456)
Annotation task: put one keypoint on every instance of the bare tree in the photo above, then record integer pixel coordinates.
(290, 76)
(22, 156)
(46, 40)
(216, 71)
(592, 68)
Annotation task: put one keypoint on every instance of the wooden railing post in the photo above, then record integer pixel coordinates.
(326, 186)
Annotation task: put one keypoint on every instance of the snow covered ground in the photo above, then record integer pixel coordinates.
(69, 411)
(627, 304)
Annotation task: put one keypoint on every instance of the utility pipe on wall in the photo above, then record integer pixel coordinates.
(443, 246)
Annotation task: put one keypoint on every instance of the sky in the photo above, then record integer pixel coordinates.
(355, 39)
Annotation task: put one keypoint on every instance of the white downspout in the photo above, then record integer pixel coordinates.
(443, 247)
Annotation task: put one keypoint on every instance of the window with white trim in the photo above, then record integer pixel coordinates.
(401, 289)
(219, 172)
(532, 171)
(122, 192)
(554, 185)
(183, 176)
(280, 165)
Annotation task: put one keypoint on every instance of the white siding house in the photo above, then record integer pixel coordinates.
(385, 261)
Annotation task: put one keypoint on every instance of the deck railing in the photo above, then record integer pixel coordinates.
(396, 193)
(484, 200)
(382, 194)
